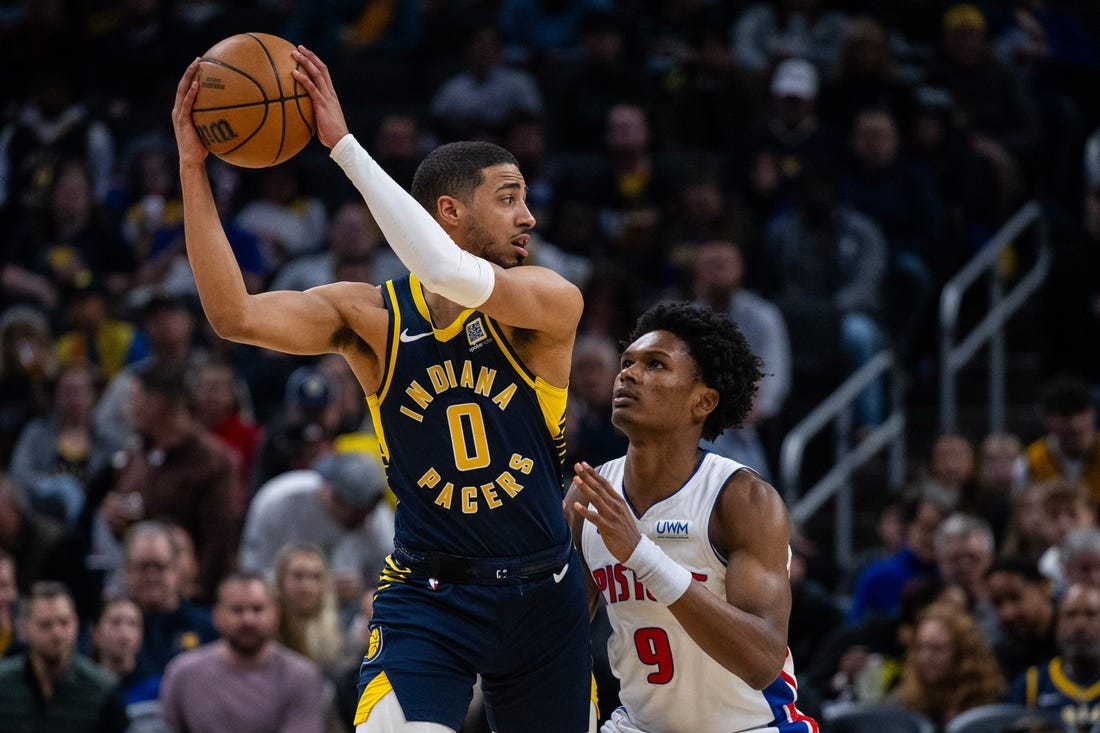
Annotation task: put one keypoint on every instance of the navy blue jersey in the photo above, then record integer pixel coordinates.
(473, 442)
(1048, 687)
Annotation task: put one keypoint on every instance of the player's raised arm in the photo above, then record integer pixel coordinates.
(477, 274)
(233, 313)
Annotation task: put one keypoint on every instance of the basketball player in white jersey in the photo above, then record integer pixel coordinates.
(689, 550)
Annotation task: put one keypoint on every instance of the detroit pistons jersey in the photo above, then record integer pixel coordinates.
(669, 684)
(473, 443)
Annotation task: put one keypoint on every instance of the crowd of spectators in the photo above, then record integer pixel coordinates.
(183, 516)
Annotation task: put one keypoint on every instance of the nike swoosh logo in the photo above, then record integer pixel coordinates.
(406, 338)
(558, 576)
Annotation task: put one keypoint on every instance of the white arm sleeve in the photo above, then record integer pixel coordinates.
(413, 234)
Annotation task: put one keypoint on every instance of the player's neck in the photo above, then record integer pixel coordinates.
(658, 470)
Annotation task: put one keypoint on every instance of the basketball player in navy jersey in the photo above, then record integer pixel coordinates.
(689, 550)
(464, 364)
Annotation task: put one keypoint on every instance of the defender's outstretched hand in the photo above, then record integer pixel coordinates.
(606, 509)
(191, 149)
(314, 76)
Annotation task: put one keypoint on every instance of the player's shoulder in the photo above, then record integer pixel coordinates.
(746, 496)
(346, 291)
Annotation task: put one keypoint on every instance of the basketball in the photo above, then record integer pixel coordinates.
(249, 110)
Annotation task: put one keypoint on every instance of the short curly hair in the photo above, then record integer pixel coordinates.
(723, 357)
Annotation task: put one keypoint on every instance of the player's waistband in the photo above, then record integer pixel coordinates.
(484, 570)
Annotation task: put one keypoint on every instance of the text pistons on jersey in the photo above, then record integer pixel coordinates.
(618, 583)
(445, 376)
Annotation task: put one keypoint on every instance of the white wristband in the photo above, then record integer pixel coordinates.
(663, 577)
(414, 236)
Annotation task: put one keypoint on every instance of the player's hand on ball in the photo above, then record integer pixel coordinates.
(314, 76)
(191, 149)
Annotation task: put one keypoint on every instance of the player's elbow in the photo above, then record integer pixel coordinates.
(766, 667)
(231, 324)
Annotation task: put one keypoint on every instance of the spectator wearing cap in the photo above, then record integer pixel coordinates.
(168, 322)
(303, 430)
(774, 152)
(335, 504)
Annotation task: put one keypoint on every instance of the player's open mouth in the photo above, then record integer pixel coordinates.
(520, 243)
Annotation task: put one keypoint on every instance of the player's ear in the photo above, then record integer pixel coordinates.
(448, 210)
(705, 401)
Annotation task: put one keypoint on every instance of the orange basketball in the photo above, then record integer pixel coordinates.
(249, 110)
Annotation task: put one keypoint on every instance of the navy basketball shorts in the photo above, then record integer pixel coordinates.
(529, 641)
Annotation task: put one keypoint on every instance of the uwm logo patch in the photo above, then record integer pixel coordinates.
(672, 529)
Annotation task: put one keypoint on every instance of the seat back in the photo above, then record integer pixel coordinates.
(875, 718)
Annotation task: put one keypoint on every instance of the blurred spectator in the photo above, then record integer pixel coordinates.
(337, 505)
(52, 687)
(171, 624)
(150, 201)
(1025, 610)
(1080, 557)
(353, 234)
(309, 617)
(57, 455)
(865, 77)
(220, 402)
(719, 284)
(288, 221)
(900, 198)
(695, 69)
(612, 301)
(27, 369)
(378, 30)
(115, 640)
(303, 429)
(951, 464)
(878, 587)
(1001, 119)
(824, 258)
(632, 184)
(705, 212)
(949, 667)
(995, 481)
(560, 23)
(68, 243)
(399, 146)
(11, 641)
(1068, 508)
(768, 32)
(96, 337)
(592, 376)
(168, 323)
(247, 681)
(964, 552)
(1070, 447)
(41, 547)
(177, 471)
(772, 156)
(187, 563)
(1029, 531)
(476, 102)
(51, 125)
(965, 181)
(1069, 683)
(581, 88)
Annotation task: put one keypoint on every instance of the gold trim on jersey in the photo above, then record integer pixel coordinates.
(375, 690)
(441, 334)
(391, 356)
(1068, 687)
(551, 399)
(392, 573)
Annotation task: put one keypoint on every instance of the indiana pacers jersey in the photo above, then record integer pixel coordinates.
(472, 441)
(1048, 687)
(668, 683)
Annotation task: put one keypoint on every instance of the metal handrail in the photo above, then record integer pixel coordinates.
(836, 409)
(953, 357)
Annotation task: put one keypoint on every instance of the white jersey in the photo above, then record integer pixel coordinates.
(669, 684)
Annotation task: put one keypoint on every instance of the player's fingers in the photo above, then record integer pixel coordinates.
(185, 81)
